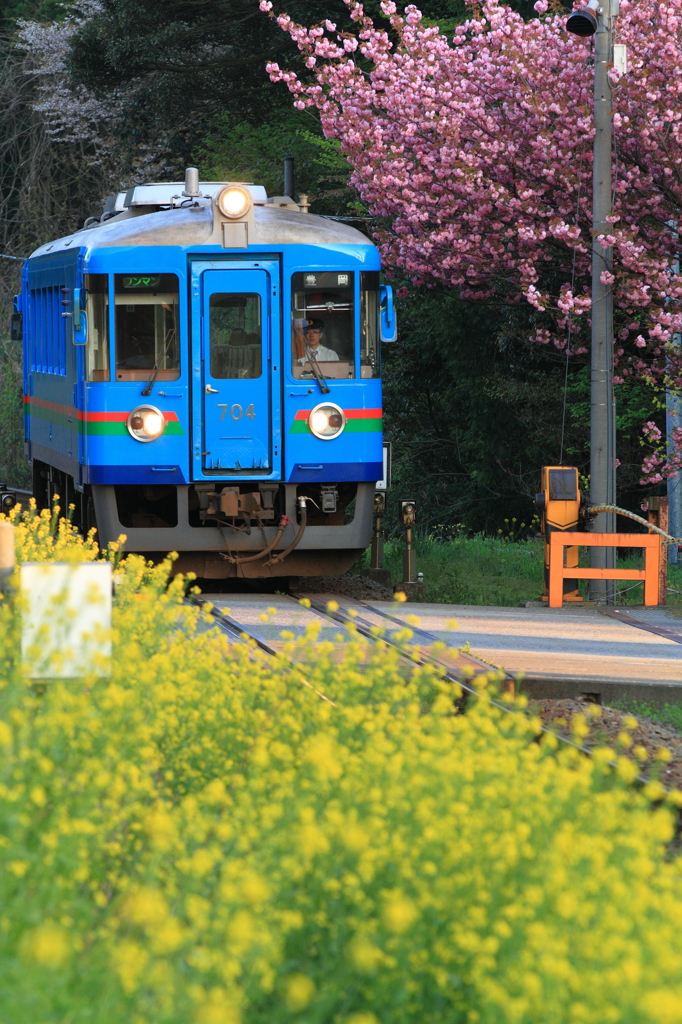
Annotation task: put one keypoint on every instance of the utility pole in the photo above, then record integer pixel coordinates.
(596, 20)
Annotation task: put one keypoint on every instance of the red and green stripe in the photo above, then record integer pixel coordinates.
(358, 421)
(109, 424)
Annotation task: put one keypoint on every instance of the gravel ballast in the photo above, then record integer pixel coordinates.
(606, 728)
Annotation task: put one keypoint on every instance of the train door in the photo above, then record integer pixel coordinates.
(234, 383)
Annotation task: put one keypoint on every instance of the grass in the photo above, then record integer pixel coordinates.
(669, 714)
(474, 570)
(497, 570)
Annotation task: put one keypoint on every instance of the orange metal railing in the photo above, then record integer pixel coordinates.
(560, 540)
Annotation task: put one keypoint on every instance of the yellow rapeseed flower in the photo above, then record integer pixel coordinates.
(398, 912)
(145, 906)
(199, 829)
(47, 945)
(299, 991)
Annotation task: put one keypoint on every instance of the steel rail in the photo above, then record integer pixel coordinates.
(340, 617)
(242, 635)
(368, 630)
(365, 629)
(623, 615)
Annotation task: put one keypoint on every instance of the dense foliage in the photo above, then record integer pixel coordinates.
(473, 412)
(203, 837)
(100, 95)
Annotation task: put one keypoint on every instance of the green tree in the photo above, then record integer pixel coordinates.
(473, 412)
(184, 63)
(247, 152)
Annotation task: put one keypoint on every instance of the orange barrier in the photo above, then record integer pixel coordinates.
(559, 540)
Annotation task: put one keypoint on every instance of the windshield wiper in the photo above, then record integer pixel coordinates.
(149, 386)
(317, 372)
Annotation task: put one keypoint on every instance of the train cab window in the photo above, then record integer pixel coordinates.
(369, 324)
(323, 324)
(147, 337)
(236, 337)
(97, 312)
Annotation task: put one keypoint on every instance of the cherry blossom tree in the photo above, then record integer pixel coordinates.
(477, 149)
(72, 113)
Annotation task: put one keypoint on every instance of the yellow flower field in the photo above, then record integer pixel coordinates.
(202, 839)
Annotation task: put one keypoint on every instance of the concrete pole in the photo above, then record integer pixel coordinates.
(602, 410)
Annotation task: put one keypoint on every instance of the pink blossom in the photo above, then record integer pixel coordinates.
(476, 153)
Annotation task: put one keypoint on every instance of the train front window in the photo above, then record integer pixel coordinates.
(236, 337)
(147, 336)
(323, 324)
(370, 349)
(97, 312)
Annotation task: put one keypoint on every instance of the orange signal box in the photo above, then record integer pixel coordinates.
(559, 504)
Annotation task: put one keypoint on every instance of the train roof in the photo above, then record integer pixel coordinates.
(146, 219)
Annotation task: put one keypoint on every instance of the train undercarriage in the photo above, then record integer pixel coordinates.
(223, 529)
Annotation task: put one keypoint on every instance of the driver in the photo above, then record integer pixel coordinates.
(313, 334)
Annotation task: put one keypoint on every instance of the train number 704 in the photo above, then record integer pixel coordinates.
(236, 412)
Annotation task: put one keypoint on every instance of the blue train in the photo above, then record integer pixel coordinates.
(202, 374)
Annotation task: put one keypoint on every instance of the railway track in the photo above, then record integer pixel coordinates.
(242, 623)
(242, 619)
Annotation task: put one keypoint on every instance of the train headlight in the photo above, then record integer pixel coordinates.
(234, 202)
(327, 421)
(145, 423)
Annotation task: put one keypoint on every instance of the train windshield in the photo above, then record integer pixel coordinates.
(236, 346)
(323, 324)
(97, 311)
(147, 337)
(370, 349)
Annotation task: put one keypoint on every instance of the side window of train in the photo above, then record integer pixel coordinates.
(370, 349)
(97, 312)
(323, 324)
(236, 339)
(147, 326)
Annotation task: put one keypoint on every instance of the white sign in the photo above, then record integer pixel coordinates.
(66, 619)
(620, 58)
